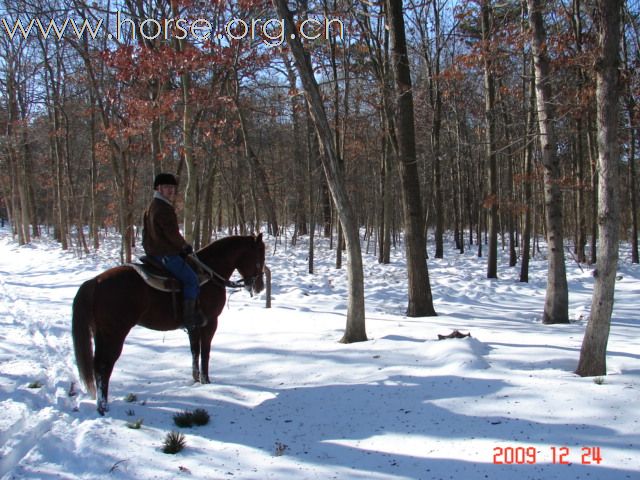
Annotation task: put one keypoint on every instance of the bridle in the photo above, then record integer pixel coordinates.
(249, 282)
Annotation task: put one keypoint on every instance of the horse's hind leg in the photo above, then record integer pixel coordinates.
(102, 388)
(107, 351)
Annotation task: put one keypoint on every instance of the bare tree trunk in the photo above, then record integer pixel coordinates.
(431, 51)
(11, 63)
(507, 214)
(190, 199)
(156, 147)
(458, 167)
(490, 93)
(258, 173)
(580, 202)
(21, 160)
(386, 203)
(591, 147)
(29, 218)
(127, 206)
(56, 148)
(377, 43)
(17, 190)
(355, 329)
(118, 154)
(93, 222)
(556, 308)
(435, 135)
(581, 221)
(419, 289)
(633, 197)
(5, 196)
(593, 354)
(313, 153)
(631, 106)
(479, 210)
(339, 243)
(190, 210)
(298, 164)
(207, 210)
(528, 188)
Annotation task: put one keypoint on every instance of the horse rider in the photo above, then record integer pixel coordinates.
(163, 242)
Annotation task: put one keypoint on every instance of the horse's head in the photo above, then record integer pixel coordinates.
(251, 265)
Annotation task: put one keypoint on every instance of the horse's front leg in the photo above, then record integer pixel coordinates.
(205, 350)
(204, 371)
(194, 342)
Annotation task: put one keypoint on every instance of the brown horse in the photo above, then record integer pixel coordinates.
(108, 306)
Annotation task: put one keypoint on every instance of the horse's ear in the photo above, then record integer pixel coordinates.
(259, 238)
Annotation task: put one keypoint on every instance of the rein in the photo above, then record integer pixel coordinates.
(213, 275)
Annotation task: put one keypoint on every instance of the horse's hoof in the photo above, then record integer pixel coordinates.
(205, 380)
(102, 408)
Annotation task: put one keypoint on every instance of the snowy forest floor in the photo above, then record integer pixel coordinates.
(288, 401)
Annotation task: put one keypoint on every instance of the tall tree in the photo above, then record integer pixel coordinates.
(355, 330)
(528, 189)
(556, 306)
(190, 190)
(420, 299)
(593, 353)
(13, 78)
(490, 119)
(255, 165)
(631, 107)
(431, 49)
(376, 39)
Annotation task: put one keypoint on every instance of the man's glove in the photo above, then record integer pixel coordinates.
(186, 251)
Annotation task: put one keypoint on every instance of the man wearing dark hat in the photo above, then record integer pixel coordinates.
(162, 240)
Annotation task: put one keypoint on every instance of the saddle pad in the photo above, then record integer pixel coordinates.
(162, 282)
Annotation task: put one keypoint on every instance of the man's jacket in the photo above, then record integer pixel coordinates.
(161, 235)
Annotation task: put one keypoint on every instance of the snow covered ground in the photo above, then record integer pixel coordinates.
(289, 401)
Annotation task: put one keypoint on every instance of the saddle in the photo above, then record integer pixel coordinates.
(158, 277)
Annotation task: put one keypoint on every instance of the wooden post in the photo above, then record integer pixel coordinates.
(267, 273)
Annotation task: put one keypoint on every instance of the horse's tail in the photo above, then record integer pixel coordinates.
(82, 325)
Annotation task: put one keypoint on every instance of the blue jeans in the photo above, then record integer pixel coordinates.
(183, 272)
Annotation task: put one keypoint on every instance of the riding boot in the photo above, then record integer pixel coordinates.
(192, 317)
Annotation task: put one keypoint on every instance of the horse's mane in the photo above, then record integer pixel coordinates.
(223, 244)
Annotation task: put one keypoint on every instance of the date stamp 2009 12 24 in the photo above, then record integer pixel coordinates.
(510, 455)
